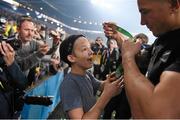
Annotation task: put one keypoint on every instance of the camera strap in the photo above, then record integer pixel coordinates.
(1, 85)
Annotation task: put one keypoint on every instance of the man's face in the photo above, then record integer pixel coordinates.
(99, 41)
(26, 31)
(83, 53)
(140, 40)
(156, 15)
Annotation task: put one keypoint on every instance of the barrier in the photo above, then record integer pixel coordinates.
(50, 87)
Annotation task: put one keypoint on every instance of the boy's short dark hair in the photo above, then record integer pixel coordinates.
(66, 47)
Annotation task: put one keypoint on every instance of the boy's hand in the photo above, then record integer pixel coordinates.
(112, 89)
(111, 77)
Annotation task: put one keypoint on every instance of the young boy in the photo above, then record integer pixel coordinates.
(79, 87)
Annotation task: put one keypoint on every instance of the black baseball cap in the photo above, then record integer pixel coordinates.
(66, 47)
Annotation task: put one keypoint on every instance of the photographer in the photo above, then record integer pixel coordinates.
(11, 78)
(32, 51)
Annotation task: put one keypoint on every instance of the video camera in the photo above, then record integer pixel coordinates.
(21, 98)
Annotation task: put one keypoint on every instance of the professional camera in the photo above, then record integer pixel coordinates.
(15, 44)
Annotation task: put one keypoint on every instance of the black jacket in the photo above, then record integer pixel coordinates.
(11, 78)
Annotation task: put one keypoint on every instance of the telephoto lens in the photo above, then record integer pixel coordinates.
(38, 100)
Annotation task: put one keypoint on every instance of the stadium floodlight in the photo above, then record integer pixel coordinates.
(101, 3)
(27, 14)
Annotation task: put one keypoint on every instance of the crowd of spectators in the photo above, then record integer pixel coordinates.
(35, 48)
(29, 54)
(37, 52)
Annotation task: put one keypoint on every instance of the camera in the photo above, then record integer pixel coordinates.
(15, 44)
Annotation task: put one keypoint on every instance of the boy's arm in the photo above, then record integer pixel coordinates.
(95, 111)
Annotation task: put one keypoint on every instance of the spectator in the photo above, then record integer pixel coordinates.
(143, 39)
(159, 97)
(118, 106)
(31, 51)
(11, 28)
(55, 65)
(110, 59)
(143, 64)
(11, 78)
(79, 87)
(98, 49)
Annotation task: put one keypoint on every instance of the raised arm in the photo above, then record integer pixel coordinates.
(17, 78)
(110, 30)
(147, 100)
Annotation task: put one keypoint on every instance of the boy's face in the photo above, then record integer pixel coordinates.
(82, 54)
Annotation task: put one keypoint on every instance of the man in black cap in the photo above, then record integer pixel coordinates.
(79, 87)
